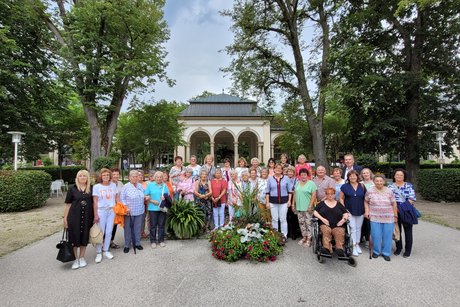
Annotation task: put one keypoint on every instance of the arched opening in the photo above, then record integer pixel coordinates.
(276, 154)
(223, 147)
(200, 145)
(247, 145)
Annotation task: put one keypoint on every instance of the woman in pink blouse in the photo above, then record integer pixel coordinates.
(380, 208)
(186, 186)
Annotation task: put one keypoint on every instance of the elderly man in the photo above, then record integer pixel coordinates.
(322, 182)
(350, 165)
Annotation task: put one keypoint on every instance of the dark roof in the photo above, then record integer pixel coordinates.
(223, 105)
(221, 98)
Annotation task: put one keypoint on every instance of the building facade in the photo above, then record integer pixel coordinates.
(227, 127)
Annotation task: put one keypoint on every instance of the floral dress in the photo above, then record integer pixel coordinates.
(204, 203)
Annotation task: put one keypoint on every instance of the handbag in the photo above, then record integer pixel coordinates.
(166, 203)
(96, 236)
(65, 253)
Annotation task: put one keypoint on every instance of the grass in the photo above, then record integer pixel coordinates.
(434, 218)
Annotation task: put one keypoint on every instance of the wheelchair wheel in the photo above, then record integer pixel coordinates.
(352, 262)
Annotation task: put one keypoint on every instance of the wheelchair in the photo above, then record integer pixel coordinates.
(317, 243)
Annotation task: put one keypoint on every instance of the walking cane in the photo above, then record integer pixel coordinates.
(133, 236)
(370, 241)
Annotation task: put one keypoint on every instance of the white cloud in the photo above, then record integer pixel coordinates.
(198, 32)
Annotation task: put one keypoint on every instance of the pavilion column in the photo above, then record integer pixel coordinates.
(187, 152)
(212, 149)
(259, 151)
(235, 156)
(272, 150)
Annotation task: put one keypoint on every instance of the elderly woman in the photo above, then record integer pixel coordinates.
(203, 192)
(79, 216)
(262, 184)
(302, 163)
(218, 198)
(105, 196)
(132, 196)
(196, 168)
(186, 186)
(403, 191)
(242, 166)
(304, 199)
(208, 166)
(176, 174)
(234, 195)
(278, 194)
(339, 181)
(380, 208)
(332, 218)
(352, 197)
(368, 180)
(156, 190)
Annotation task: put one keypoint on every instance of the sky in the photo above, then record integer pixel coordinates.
(197, 33)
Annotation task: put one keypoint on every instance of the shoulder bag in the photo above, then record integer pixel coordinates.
(65, 248)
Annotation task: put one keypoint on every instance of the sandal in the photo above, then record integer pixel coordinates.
(114, 245)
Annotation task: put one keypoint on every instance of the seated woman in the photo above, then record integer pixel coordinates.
(332, 218)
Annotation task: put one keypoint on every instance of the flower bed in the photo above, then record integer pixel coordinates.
(254, 243)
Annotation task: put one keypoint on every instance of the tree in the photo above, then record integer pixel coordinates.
(400, 66)
(147, 131)
(270, 54)
(108, 49)
(27, 89)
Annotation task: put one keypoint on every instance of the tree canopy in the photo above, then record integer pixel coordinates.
(108, 49)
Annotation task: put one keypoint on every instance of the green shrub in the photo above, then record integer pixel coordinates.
(185, 219)
(23, 190)
(104, 162)
(66, 173)
(387, 168)
(439, 184)
(367, 160)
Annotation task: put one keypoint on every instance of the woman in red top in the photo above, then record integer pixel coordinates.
(302, 164)
(219, 198)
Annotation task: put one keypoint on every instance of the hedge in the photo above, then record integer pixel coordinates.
(23, 190)
(387, 169)
(68, 172)
(439, 184)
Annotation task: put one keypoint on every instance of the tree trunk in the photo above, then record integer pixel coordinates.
(414, 64)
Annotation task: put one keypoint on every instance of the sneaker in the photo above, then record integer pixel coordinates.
(126, 250)
(162, 244)
(387, 258)
(108, 255)
(98, 257)
(139, 247)
(405, 255)
(82, 262)
(375, 255)
(75, 265)
(355, 252)
(154, 245)
(359, 249)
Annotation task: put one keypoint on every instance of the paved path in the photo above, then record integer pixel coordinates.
(185, 274)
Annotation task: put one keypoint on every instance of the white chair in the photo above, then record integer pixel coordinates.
(64, 185)
(56, 187)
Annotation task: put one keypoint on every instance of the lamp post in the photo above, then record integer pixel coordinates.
(16, 140)
(440, 138)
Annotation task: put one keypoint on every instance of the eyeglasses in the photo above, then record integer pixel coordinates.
(330, 193)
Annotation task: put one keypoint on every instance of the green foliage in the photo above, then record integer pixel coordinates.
(104, 162)
(228, 243)
(248, 211)
(185, 219)
(66, 173)
(367, 160)
(438, 185)
(23, 190)
(147, 131)
(108, 49)
(28, 90)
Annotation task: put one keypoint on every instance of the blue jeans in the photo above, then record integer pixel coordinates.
(382, 236)
(137, 230)
(157, 220)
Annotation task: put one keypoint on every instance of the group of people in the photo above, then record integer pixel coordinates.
(283, 193)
